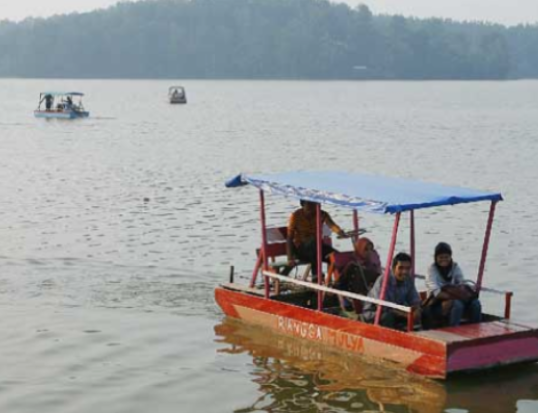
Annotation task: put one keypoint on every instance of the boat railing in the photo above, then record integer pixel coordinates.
(507, 295)
(408, 310)
(347, 294)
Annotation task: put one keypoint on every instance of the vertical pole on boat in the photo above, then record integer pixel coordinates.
(485, 246)
(264, 242)
(355, 225)
(388, 266)
(507, 304)
(257, 267)
(319, 229)
(412, 241)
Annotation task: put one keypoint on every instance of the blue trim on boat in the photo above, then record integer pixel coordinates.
(363, 192)
(71, 114)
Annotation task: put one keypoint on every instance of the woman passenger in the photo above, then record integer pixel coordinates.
(367, 256)
(442, 274)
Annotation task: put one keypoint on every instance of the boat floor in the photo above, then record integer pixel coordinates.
(473, 332)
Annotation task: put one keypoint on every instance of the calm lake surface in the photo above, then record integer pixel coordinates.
(114, 231)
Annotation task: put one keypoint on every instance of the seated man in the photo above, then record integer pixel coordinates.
(448, 296)
(400, 290)
(301, 241)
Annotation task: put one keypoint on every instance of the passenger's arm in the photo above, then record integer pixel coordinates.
(333, 226)
(289, 251)
(432, 283)
(289, 240)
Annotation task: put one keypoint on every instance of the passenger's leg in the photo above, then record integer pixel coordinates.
(456, 313)
(475, 311)
(388, 319)
(307, 252)
(432, 315)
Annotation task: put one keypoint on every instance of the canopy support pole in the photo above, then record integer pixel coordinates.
(264, 242)
(355, 225)
(412, 241)
(485, 246)
(388, 266)
(319, 249)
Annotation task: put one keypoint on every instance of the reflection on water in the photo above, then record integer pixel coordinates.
(123, 217)
(299, 376)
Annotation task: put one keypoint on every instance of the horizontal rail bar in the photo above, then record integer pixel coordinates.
(486, 289)
(338, 292)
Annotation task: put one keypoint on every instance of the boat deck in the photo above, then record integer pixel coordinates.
(472, 332)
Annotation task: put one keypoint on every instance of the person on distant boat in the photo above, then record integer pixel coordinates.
(448, 295)
(302, 242)
(49, 101)
(68, 102)
(400, 290)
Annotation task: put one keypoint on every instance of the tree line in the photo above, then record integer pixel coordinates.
(262, 39)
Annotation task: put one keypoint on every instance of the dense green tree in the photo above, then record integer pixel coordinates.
(306, 39)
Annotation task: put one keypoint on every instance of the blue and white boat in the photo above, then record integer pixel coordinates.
(61, 105)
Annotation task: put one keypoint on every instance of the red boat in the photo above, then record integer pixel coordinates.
(284, 303)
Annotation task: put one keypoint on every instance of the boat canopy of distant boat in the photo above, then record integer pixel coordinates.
(176, 94)
(61, 105)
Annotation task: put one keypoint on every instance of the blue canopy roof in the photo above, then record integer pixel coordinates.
(63, 93)
(362, 192)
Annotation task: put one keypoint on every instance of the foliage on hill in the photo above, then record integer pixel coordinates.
(271, 39)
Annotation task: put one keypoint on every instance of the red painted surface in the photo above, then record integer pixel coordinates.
(428, 355)
(435, 353)
(487, 354)
(484, 330)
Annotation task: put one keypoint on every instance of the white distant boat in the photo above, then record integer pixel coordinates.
(176, 94)
(61, 105)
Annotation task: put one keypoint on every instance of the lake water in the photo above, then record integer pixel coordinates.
(114, 231)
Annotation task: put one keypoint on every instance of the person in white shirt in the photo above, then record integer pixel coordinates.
(443, 275)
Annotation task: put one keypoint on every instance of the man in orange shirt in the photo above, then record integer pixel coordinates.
(301, 242)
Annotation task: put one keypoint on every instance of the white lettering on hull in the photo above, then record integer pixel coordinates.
(299, 328)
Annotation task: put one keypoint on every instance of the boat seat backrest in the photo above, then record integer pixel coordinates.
(277, 240)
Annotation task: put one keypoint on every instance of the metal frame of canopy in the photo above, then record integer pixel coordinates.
(316, 187)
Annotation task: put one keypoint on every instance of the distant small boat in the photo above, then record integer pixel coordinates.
(61, 105)
(176, 94)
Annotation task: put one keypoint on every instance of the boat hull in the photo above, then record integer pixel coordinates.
(434, 353)
(60, 114)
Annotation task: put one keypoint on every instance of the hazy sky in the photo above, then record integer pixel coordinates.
(508, 12)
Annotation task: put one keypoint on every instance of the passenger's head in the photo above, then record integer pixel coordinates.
(443, 255)
(401, 266)
(309, 207)
(364, 247)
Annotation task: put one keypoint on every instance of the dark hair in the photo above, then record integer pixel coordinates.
(442, 248)
(401, 257)
(304, 202)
